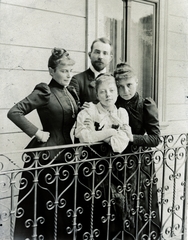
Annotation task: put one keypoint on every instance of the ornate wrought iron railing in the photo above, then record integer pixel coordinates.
(89, 192)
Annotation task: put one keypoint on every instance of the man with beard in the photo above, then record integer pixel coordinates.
(84, 82)
(100, 56)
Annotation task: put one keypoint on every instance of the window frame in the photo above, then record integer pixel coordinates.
(127, 53)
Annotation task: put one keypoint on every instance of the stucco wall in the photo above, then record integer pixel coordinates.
(177, 67)
(28, 31)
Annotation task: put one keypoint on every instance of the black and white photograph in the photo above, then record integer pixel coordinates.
(94, 119)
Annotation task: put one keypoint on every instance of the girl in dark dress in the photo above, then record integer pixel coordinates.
(57, 108)
(140, 221)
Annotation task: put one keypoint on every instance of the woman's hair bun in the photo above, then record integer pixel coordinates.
(59, 55)
(58, 52)
(124, 70)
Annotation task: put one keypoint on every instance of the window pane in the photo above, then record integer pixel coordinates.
(142, 45)
(110, 25)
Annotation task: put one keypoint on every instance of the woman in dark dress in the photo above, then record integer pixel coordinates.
(139, 220)
(57, 108)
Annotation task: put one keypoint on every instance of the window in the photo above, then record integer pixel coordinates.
(141, 51)
(110, 25)
(132, 27)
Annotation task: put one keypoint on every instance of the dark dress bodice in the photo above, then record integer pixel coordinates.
(57, 110)
(58, 114)
(143, 118)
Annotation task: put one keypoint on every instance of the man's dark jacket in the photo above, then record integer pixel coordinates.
(84, 84)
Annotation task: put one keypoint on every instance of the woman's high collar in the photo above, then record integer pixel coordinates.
(54, 83)
(132, 100)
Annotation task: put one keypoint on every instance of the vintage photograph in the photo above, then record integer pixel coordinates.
(94, 119)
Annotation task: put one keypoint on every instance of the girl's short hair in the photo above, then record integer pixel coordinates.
(103, 77)
(124, 70)
(59, 56)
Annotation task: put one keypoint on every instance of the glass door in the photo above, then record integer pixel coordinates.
(142, 44)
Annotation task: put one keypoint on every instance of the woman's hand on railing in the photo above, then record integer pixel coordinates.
(126, 128)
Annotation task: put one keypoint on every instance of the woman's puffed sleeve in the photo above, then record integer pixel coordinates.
(38, 98)
(151, 125)
(119, 141)
(123, 115)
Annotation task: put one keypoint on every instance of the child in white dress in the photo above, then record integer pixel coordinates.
(103, 121)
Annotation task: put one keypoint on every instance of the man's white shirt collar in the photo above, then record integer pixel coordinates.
(96, 72)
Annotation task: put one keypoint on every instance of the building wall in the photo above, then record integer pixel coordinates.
(28, 31)
(176, 85)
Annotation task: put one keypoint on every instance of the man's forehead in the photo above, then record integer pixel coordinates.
(102, 46)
